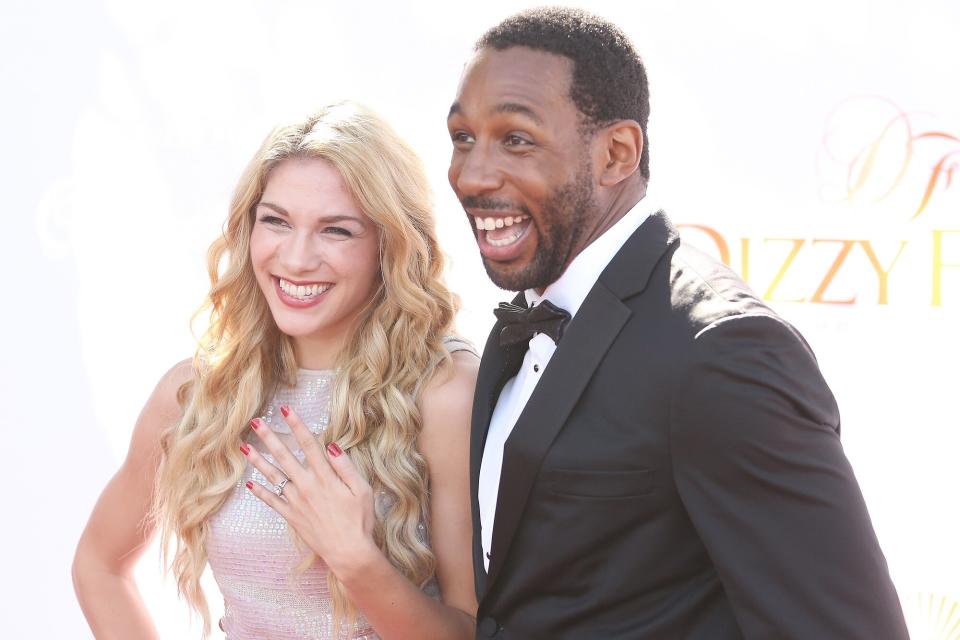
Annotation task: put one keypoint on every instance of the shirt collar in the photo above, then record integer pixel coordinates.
(571, 288)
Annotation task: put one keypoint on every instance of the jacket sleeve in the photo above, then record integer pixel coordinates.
(757, 460)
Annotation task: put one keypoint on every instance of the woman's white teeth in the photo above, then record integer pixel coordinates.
(302, 291)
(489, 224)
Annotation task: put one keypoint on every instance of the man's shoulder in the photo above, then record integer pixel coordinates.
(694, 272)
(697, 291)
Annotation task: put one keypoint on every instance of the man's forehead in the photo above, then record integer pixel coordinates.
(519, 60)
(504, 107)
(513, 79)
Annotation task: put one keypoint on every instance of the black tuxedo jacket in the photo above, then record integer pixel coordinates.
(677, 473)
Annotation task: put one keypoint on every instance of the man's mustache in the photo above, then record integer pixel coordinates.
(492, 204)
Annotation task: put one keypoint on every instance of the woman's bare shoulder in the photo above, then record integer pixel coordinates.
(447, 402)
(177, 375)
(165, 397)
(161, 411)
(453, 382)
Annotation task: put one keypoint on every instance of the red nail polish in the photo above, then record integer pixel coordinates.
(249, 485)
(334, 449)
(244, 448)
(285, 410)
(255, 423)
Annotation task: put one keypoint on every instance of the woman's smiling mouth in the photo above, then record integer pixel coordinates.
(301, 295)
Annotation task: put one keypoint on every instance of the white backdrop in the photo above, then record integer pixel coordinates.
(778, 130)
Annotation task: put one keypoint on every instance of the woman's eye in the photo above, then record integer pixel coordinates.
(339, 231)
(272, 220)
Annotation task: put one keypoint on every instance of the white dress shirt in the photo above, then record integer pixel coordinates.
(568, 292)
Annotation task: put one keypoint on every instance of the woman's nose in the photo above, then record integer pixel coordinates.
(301, 253)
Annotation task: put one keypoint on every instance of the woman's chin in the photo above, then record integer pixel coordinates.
(298, 332)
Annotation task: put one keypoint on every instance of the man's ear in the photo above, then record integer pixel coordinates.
(621, 144)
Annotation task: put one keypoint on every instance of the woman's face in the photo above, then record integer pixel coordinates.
(315, 253)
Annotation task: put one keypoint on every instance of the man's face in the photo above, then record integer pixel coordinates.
(520, 165)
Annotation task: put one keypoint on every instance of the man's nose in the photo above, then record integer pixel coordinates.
(302, 252)
(478, 172)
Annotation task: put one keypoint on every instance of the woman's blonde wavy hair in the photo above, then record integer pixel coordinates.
(242, 357)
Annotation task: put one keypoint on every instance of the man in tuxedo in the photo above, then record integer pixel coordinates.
(655, 453)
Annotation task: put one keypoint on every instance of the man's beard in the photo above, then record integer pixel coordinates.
(562, 218)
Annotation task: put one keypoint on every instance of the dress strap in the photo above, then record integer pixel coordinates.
(455, 343)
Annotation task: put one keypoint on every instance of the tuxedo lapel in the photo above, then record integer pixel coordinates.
(498, 365)
(630, 270)
(587, 339)
(581, 350)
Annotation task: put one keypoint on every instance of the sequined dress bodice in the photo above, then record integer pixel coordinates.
(253, 556)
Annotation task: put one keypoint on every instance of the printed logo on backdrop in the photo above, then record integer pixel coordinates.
(888, 231)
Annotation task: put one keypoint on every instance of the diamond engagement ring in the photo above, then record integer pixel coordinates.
(279, 488)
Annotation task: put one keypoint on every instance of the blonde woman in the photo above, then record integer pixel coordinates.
(314, 451)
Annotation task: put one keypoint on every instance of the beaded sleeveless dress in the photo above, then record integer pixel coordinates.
(251, 551)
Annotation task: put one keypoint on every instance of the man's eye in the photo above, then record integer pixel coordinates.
(461, 137)
(513, 140)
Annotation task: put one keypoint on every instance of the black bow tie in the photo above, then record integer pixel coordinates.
(520, 324)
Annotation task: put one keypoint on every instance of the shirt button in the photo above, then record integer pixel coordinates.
(488, 627)
(536, 368)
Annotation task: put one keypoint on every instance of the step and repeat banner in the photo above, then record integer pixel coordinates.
(813, 147)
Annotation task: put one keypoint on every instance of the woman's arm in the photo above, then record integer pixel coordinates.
(445, 444)
(119, 530)
(331, 507)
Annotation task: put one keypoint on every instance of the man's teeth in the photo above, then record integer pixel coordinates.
(303, 291)
(504, 241)
(489, 224)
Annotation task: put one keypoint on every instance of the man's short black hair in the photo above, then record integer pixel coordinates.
(609, 82)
